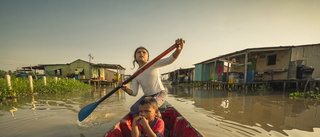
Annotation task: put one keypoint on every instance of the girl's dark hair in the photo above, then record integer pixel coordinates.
(150, 101)
(134, 55)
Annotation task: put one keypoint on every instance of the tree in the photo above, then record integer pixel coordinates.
(4, 73)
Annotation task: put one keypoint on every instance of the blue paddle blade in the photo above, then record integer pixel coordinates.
(87, 110)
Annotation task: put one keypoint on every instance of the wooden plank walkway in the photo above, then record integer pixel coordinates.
(98, 82)
(277, 85)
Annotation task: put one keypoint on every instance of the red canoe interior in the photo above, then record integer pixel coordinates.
(175, 125)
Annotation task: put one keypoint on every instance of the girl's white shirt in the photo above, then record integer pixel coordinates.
(150, 79)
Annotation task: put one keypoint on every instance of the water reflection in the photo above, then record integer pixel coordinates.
(12, 112)
(243, 112)
(33, 106)
(226, 113)
(47, 103)
(56, 114)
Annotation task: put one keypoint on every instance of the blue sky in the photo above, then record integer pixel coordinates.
(60, 31)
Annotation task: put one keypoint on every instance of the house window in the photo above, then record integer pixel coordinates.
(271, 60)
(57, 72)
(81, 71)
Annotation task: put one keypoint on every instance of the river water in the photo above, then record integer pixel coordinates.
(214, 113)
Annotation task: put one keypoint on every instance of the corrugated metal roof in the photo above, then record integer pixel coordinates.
(250, 50)
(109, 66)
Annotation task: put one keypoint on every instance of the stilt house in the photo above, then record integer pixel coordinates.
(262, 64)
(87, 70)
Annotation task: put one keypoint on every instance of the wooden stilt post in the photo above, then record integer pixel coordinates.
(30, 83)
(313, 86)
(246, 88)
(8, 79)
(56, 80)
(44, 80)
(306, 85)
(318, 87)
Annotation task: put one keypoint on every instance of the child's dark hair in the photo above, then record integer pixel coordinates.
(134, 55)
(150, 101)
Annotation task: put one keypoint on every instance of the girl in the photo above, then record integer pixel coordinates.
(150, 80)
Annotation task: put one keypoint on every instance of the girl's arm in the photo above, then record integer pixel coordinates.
(126, 89)
(134, 86)
(180, 43)
(166, 61)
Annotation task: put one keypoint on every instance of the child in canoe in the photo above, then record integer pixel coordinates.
(147, 123)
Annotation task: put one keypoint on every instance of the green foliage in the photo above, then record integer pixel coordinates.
(4, 73)
(21, 86)
(305, 95)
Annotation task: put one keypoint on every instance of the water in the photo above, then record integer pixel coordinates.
(213, 113)
(222, 113)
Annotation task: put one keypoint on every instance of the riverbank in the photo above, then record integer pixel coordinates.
(22, 86)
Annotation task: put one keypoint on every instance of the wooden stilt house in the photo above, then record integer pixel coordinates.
(262, 64)
(86, 69)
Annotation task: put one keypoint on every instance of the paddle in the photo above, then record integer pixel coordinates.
(87, 110)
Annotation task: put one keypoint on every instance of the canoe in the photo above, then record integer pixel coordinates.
(175, 125)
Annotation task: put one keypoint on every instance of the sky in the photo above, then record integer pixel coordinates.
(36, 32)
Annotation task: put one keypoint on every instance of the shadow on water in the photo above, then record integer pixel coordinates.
(245, 114)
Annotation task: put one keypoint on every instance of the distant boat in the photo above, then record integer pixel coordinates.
(175, 125)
